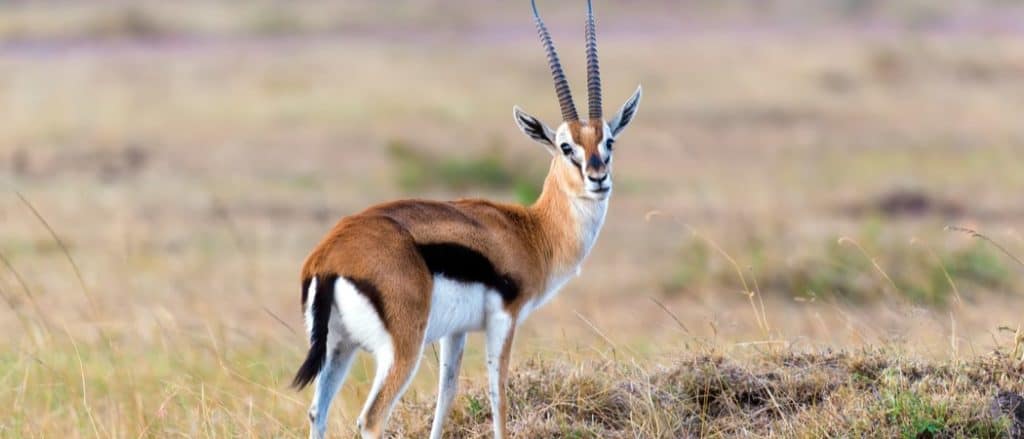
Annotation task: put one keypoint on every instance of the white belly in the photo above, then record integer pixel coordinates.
(458, 307)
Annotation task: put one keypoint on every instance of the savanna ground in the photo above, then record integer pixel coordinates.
(775, 262)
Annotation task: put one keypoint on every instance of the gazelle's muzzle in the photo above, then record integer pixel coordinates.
(597, 175)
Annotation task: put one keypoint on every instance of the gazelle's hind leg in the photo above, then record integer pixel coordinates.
(395, 344)
(451, 361)
(384, 299)
(339, 360)
(395, 368)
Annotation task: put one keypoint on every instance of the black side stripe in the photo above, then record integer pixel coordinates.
(463, 264)
(372, 293)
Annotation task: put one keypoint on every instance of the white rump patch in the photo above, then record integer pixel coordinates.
(361, 325)
(360, 321)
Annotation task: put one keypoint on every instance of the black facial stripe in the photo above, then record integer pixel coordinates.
(568, 152)
(463, 264)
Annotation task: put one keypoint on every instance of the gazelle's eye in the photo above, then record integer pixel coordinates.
(608, 144)
(566, 148)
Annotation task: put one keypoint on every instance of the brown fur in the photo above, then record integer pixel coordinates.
(589, 135)
(500, 418)
(373, 248)
(529, 244)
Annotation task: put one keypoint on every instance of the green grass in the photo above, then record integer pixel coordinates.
(915, 416)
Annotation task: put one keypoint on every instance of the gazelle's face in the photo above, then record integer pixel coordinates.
(583, 149)
(586, 148)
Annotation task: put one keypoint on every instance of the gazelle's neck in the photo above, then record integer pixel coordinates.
(570, 222)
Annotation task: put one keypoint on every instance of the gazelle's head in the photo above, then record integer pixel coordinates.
(582, 148)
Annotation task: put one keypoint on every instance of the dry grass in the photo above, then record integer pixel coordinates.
(777, 393)
(203, 389)
(180, 161)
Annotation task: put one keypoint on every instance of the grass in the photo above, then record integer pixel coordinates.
(779, 393)
(918, 417)
(798, 279)
(198, 386)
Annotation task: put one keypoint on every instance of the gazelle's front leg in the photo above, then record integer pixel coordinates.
(500, 331)
(451, 361)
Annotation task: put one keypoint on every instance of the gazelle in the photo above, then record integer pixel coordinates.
(401, 275)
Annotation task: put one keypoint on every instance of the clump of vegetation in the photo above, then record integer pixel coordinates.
(488, 170)
(784, 393)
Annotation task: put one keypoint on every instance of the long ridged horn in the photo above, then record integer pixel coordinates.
(561, 85)
(593, 70)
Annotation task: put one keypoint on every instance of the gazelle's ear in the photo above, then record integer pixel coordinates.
(626, 113)
(534, 128)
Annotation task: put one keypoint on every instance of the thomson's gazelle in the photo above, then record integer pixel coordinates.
(401, 275)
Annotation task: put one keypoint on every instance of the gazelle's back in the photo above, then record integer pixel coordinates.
(463, 240)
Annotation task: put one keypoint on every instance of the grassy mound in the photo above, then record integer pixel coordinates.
(847, 394)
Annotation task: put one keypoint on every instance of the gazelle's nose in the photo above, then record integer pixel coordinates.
(598, 171)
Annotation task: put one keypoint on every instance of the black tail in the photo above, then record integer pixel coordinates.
(323, 300)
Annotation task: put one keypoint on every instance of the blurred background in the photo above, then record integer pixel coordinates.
(788, 181)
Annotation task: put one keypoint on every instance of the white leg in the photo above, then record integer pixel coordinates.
(331, 377)
(450, 362)
(500, 330)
